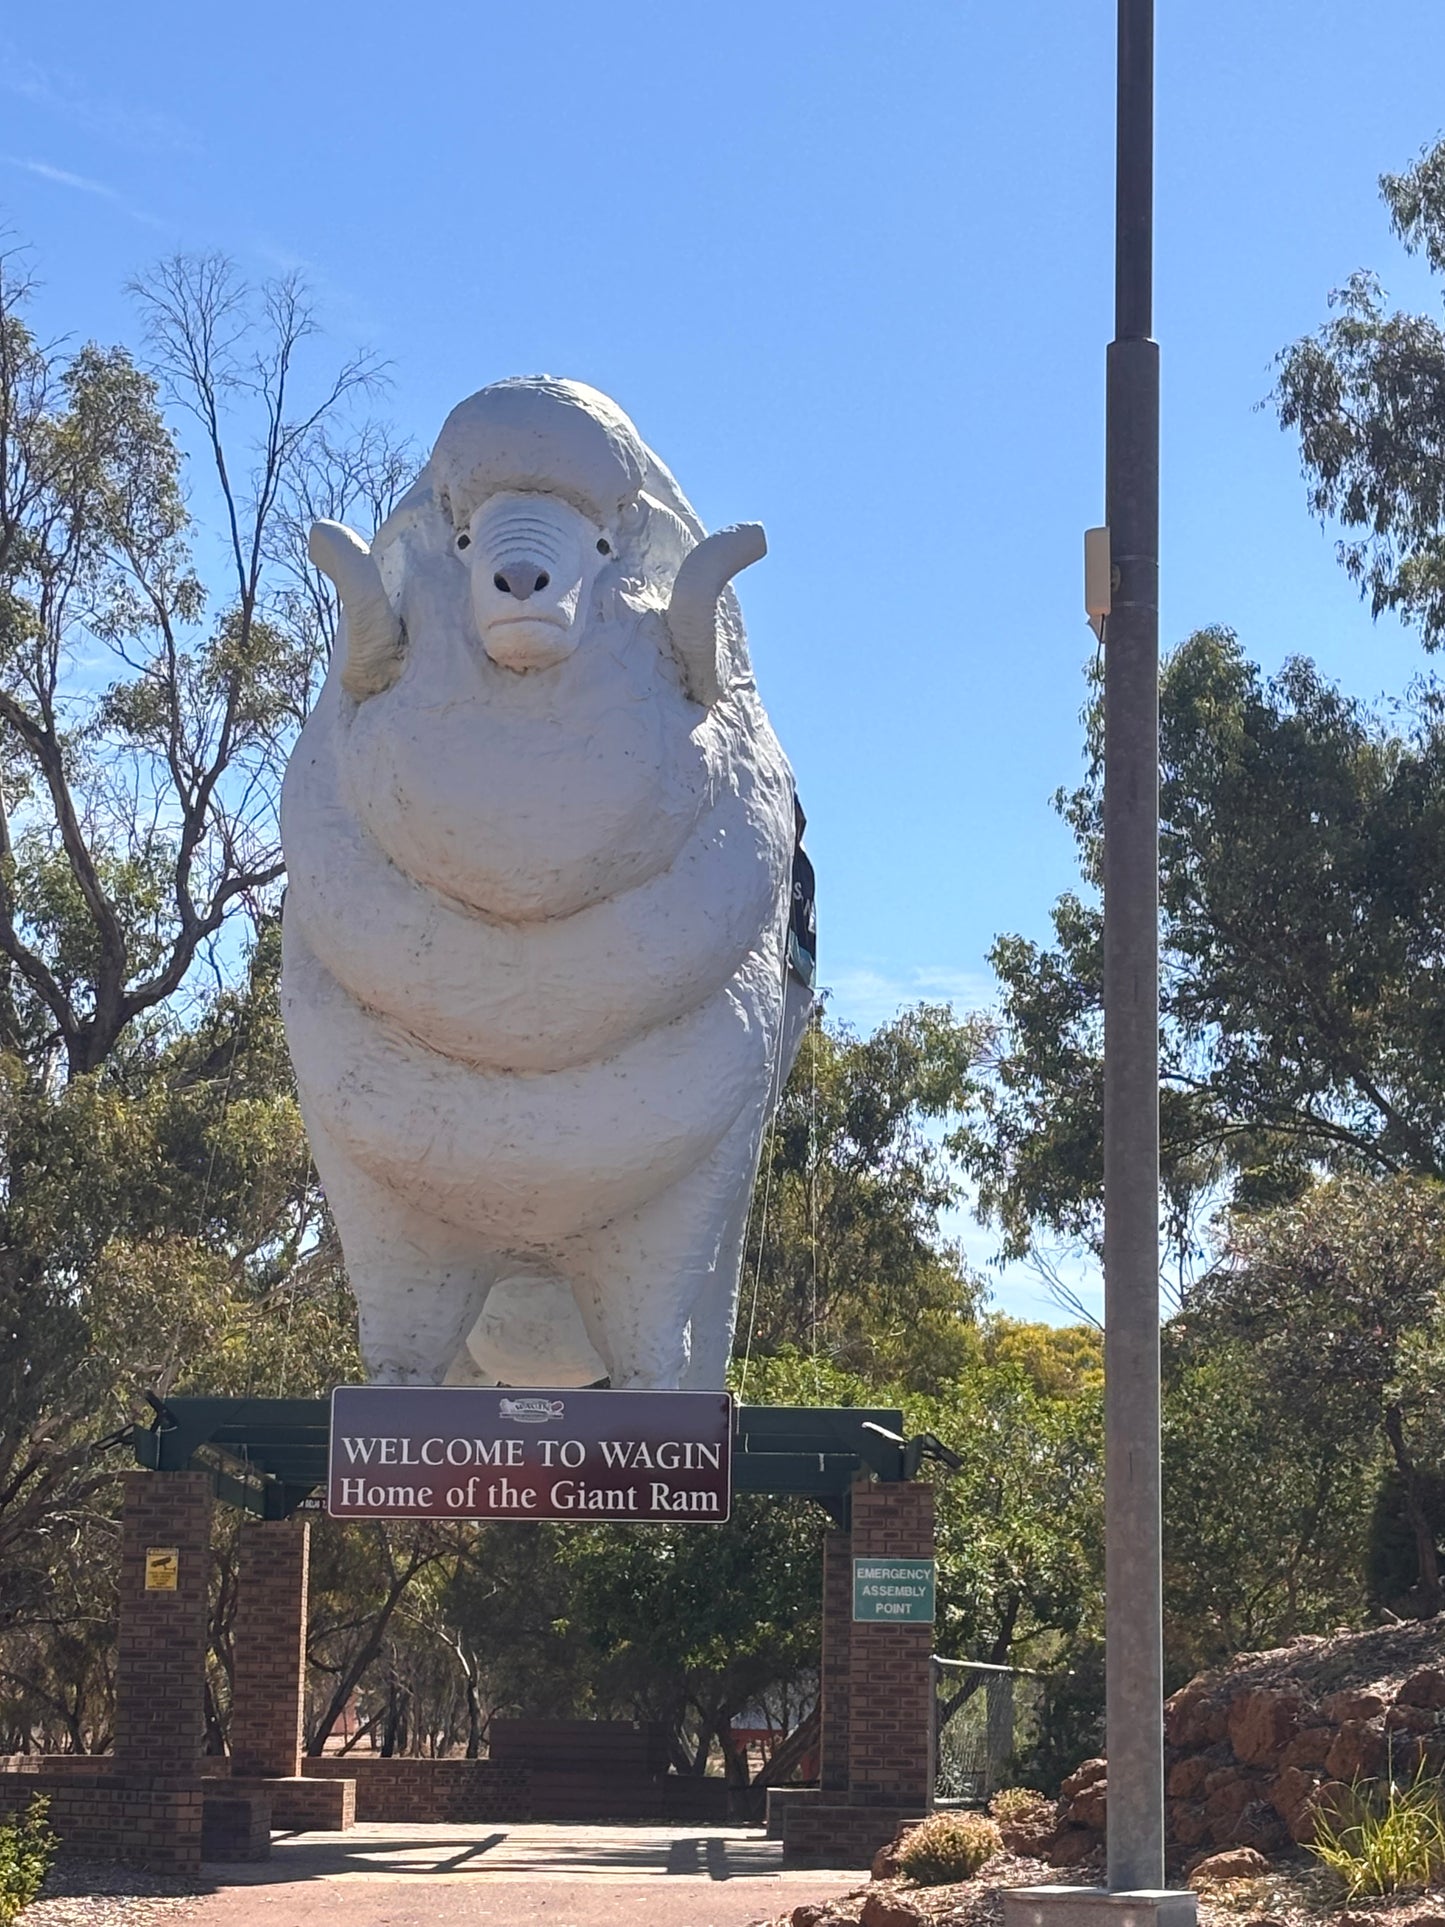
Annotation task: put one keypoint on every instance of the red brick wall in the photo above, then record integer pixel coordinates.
(235, 1826)
(839, 1834)
(890, 1690)
(836, 1659)
(619, 1746)
(300, 1805)
(455, 1791)
(143, 1825)
(270, 1648)
(161, 1651)
(465, 1791)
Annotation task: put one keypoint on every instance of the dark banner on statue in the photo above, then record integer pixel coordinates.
(414, 1452)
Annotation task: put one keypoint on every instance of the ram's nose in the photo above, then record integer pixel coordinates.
(521, 579)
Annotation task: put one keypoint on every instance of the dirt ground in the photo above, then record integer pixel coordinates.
(431, 1876)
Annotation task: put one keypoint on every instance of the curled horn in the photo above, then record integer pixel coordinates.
(692, 614)
(373, 628)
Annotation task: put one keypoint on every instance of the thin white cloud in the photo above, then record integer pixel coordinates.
(865, 996)
(62, 94)
(81, 184)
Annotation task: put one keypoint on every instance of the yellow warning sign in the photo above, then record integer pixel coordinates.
(163, 1568)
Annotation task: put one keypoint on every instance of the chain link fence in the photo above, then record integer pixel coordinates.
(985, 1718)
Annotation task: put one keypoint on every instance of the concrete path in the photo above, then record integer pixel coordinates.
(415, 1876)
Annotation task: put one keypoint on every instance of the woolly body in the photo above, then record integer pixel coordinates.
(535, 985)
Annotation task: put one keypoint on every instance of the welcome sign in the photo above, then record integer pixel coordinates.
(412, 1452)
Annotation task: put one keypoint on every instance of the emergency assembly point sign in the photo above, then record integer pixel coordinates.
(900, 1590)
(412, 1452)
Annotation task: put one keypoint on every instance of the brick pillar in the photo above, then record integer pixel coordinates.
(161, 1651)
(837, 1640)
(890, 1688)
(269, 1641)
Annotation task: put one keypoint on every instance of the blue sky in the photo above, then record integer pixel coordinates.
(849, 269)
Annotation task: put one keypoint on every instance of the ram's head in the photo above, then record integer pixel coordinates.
(543, 488)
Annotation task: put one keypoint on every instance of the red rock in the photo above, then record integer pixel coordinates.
(1187, 1824)
(1425, 1688)
(1262, 1722)
(1259, 1827)
(1290, 1791)
(1222, 1776)
(1090, 1808)
(1410, 1719)
(1071, 1846)
(1083, 1776)
(1187, 1778)
(1309, 1747)
(809, 1914)
(1351, 1704)
(1194, 1717)
(890, 1910)
(1224, 1805)
(1359, 1749)
(1028, 1838)
(1240, 1863)
(1333, 1797)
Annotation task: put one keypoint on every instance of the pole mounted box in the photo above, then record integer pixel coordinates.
(1098, 578)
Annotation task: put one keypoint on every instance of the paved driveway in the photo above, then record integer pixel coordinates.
(414, 1876)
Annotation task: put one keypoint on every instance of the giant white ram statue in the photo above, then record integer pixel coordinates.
(544, 973)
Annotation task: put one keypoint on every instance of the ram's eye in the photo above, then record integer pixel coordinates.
(464, 541)
(604, 547)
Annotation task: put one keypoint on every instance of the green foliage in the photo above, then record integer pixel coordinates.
(1019, 1543)
(27, 1847)
(1263, 1520)
(160, 1224)
(1071, 1715)
(1022, 1806)
(1384, 1838)
(1366, 394)
(1303, 1014)
(1392, 1558)
(1340, 1297)
(947, 1847)
(692, 1626)
(844, 1257)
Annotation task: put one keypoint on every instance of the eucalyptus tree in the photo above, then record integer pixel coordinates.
(161, 638)
(1365, 393)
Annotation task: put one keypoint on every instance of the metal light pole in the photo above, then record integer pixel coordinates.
(1134, 1732)
(1122, 597)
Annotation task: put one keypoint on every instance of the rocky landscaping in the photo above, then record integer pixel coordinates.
(83, 1892)
(1257, 1895)
(1255, 1753)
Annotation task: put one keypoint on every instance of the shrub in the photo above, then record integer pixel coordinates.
(1021, 1806)
(27, 1847)
(949, 1846)
(1384, 1838)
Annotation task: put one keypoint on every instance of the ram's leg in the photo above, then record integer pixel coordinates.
(642, 1280)
(419, 1284)
(723, 1308)
(715, 1303)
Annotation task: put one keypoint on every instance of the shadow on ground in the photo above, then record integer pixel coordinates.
(569, 1854)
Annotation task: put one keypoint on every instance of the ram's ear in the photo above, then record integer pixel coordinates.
(373, 628)
(692, 614)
